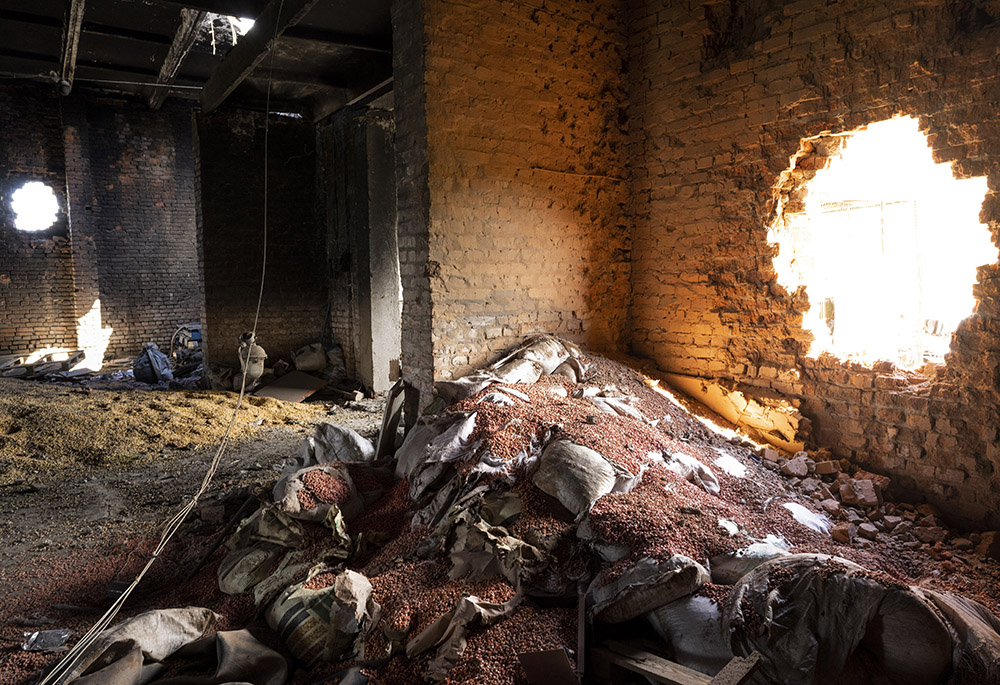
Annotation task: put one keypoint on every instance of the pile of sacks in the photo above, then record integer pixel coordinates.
(552, 482)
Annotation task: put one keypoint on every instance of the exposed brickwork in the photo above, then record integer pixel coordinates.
(359, 197)
(131, 185)
(344, 167)
(720, 100)
(526, 159)
(125, 248)
(413, 195)
(230, 173)
(36, 269)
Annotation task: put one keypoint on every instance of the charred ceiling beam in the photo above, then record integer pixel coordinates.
(28, 18)
(70, 44)
(88, 27)
(293, 78)
(383, 46)
(184, 38)
(330, 108)
(21, 64)
(248, 53)
(129, 34)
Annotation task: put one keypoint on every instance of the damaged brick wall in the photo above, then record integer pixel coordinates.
(341, 158)
(721, 96)
(229, 151)
(121, 255)
(37, 307)
(525, 151)
(131, 185)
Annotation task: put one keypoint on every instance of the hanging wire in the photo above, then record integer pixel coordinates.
(66, 665)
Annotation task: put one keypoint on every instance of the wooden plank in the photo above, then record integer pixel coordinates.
(248, 52)
(640, 661)
(738, 670)
(341, 40)
(184, 38)
(70, 45)
(386, 444)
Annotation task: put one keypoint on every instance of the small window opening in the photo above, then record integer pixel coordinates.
(885, 241)
(35, 207)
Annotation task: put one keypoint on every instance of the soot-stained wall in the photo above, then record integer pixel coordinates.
(37, 306)
(359, 190)
(720, 97)
(511, 145)
(230, 174)
(121, 256)
(131, 186)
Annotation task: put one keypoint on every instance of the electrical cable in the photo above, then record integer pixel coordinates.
(65, 666)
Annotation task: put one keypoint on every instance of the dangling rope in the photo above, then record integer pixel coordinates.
(69, 661)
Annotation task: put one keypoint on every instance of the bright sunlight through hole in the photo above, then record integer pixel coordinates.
(35, 207)
(887, 248)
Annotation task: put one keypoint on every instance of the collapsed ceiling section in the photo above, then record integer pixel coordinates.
(328, 52)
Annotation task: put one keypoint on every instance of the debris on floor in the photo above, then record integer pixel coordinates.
(560, 504)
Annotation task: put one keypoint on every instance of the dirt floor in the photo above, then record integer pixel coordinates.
(89, 476)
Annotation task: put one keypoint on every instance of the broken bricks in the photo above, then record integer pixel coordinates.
(797, 467)
(844, 532)
(824, 468)
(861, 493)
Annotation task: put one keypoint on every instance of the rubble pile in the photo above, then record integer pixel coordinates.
(557, 487)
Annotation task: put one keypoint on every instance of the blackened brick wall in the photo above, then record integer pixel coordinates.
(343, 163)
(125, 237)
(131, 188)
(413, 194)
(36, 269)
(230, 173)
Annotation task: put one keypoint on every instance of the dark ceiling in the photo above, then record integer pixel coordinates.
(329, 52)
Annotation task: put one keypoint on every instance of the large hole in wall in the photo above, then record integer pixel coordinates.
(885, 242)
(35, 207)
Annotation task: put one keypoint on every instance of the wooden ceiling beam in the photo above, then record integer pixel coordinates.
(70, 43)
(184, 38)
(252, 49)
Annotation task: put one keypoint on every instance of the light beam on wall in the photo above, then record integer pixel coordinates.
(92, 338)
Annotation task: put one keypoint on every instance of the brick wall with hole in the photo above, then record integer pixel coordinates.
(721, 95)
(229, 152)
(37, 307)
(122, 248)
(525, 151)
(131, 189)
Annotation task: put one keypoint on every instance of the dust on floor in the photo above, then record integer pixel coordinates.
(82, 471)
